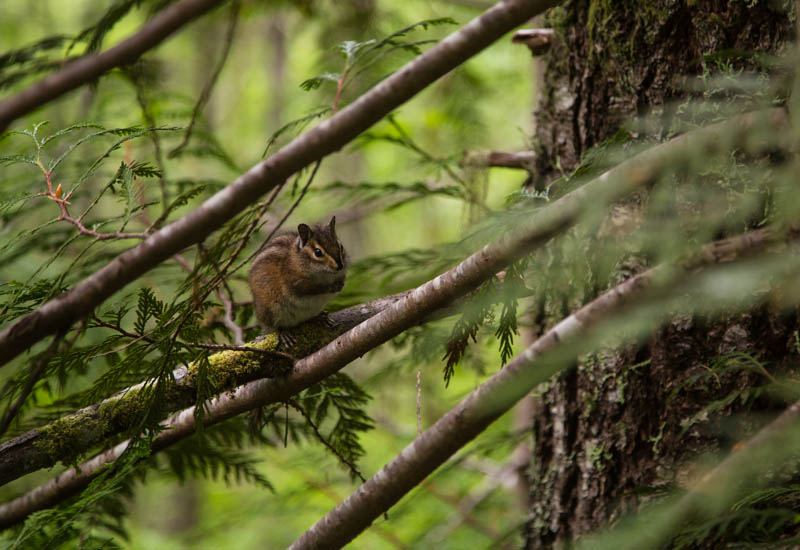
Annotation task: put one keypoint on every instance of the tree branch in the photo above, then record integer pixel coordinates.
(331, 135)
(20, 455)
(78, 432)
(416, 305)
(89, 68)
(55, 195)
(523, 159)
(487, 403)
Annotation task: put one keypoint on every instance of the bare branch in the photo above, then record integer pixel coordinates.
(538, 41)
(87, 69)
(501, 159)
(308, 148)
(205, 95)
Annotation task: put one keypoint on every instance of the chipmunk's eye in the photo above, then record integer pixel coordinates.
(318, 253)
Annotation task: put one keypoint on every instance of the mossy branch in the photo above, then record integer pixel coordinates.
(67, 438)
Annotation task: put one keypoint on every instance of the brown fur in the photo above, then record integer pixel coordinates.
(290, 283)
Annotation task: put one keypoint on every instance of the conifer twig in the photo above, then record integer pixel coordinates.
(327, 444)
(33, 376)
(200, 345)
(56, 195)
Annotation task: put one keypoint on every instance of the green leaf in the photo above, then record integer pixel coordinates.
(317, 81)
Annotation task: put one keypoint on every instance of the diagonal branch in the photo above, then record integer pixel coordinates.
(416, 305)
(493, 398)
(89, 68)
(328, 137)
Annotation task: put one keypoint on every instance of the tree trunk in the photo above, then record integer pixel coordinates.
(604, 431)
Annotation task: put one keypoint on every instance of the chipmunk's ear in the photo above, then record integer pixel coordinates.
(332, 225)
(305, 233)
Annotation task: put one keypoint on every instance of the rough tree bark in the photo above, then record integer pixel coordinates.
(603, 430)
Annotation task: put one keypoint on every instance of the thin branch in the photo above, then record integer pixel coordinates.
(289, 212)
(89, 68)
(227, 300)
(325, 488)
(523, 159)
(331, 135)
(33, 376)
(144, 106)
(461, 515)
(494, 477)
(199, 345)
(228, 320)
(55, 195)
(419, 402)
(262, 392)
(212, 81)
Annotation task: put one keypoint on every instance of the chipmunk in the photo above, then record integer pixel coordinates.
(296, 275)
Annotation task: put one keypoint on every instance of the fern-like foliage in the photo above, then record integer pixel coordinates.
(340, 401)
(28, 61)
(202, 457)
(477, 312)
(360, 56)
(749, 527)
(513, 288)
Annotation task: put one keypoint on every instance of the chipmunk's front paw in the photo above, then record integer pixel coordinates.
(329, 321)
(286, 339)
